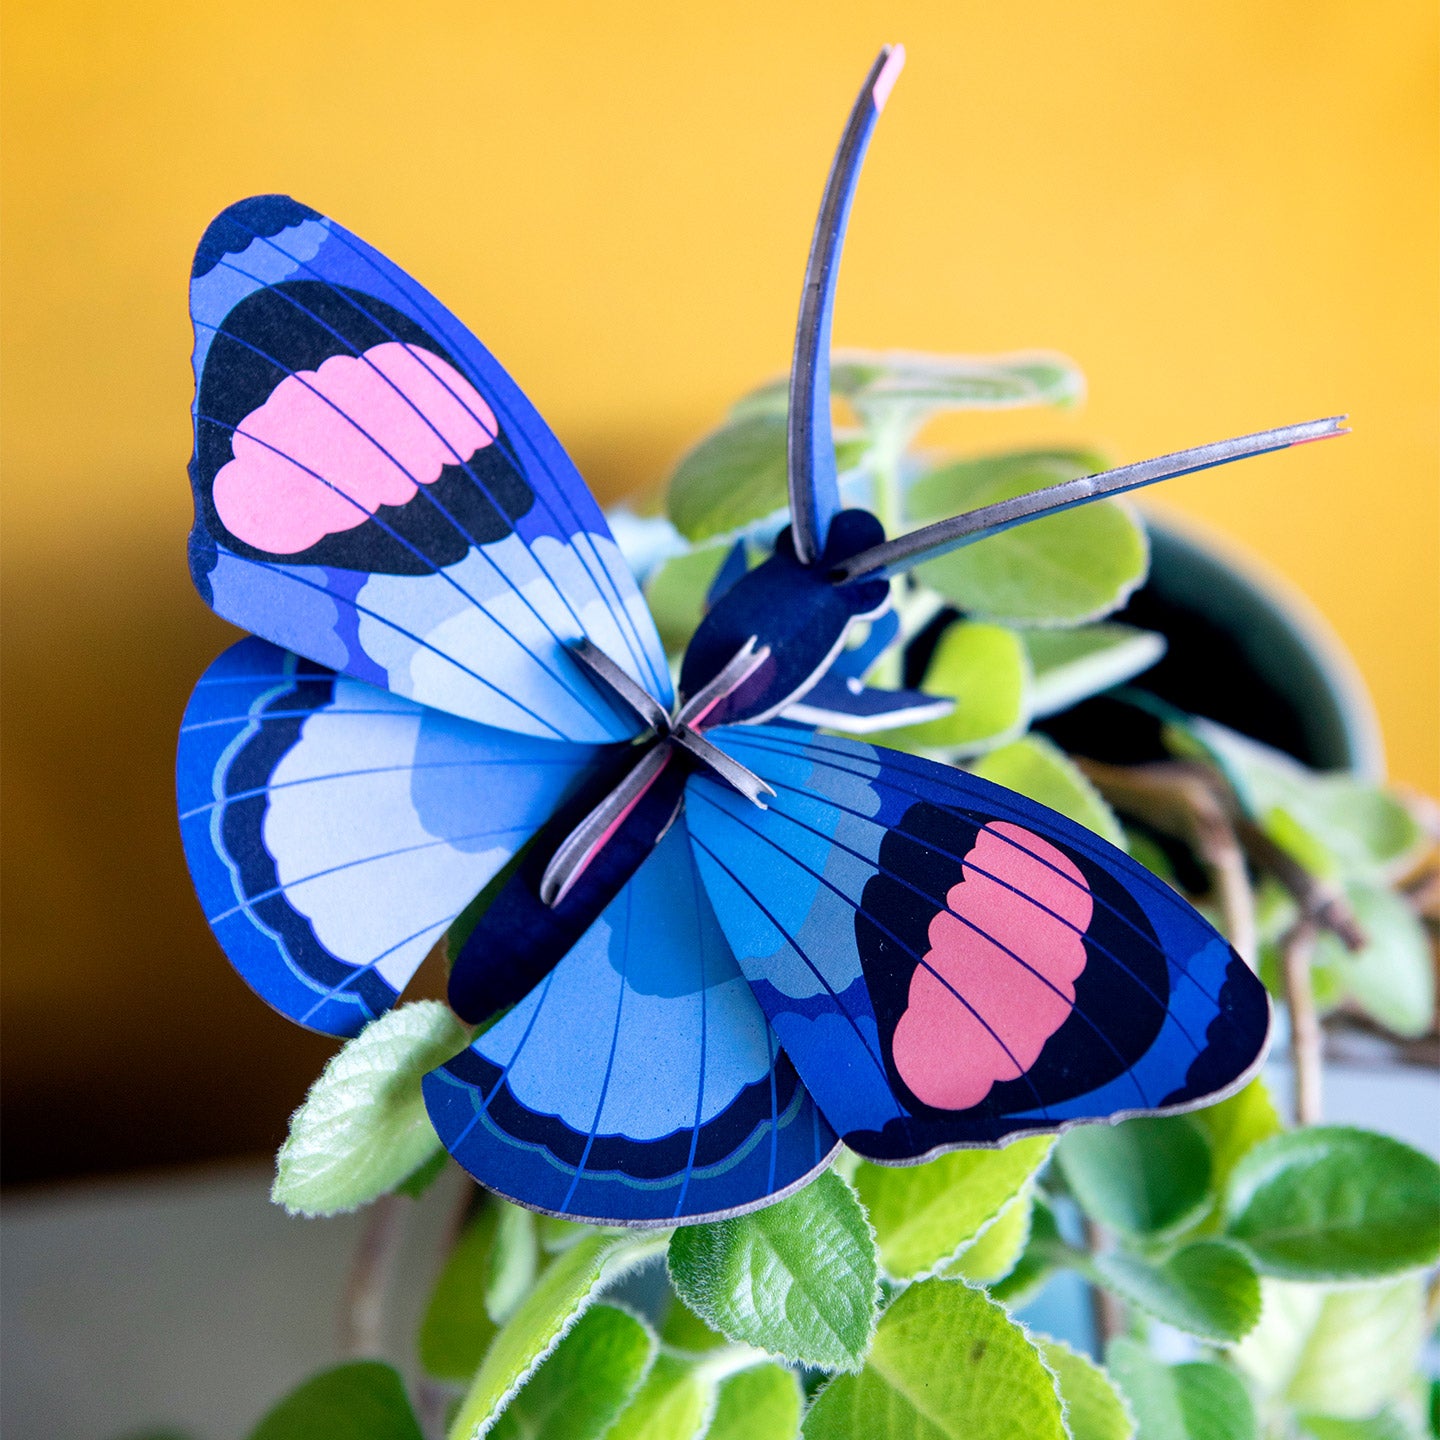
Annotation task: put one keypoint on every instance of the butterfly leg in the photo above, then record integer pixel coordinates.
(538, 908)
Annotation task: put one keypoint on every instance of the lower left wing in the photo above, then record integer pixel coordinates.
(334, 830)
(638, 1083)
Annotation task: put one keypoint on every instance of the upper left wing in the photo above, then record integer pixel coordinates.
(372, 490)
(948, 963)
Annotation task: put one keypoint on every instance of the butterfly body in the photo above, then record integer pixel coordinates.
(796, 611)
(721, 940)
(518, 938)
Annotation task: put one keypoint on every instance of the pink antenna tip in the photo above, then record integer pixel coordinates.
(889, 74)
(1338, 428)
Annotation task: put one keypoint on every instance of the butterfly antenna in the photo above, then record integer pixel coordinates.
(893, 557)
(814, 486)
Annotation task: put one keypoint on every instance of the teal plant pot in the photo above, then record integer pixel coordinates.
(1245, 649)
(1284, 647)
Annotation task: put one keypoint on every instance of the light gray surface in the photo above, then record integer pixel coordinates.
(187, 1300)
(191, 1301)
(1403, 1102)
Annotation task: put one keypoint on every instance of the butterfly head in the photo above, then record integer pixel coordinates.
(796, 611)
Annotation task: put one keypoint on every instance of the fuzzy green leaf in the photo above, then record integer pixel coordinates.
(1209, 1289)
(770, 398)
(995, 1252)
(1064, 569)
(1144, 1177)
(734, 476)
(363, 1400)
(577, 1393)
(685, 1330)
(1039, 769)
(1393, 978)
(1342, 1352)
(363, 1129)
(1071, 665)
(1333, 1203)
(1198, 1401)
(1366, 830)
(1364, 1349)
(798, 1279)
(923, 1214)
(556, 1234)
(558, 1299)
(457, 1328)
(947, 1362)
(1300, 843)
(962, 485)
(900, 388)
(676, 1402)
(418, 1182)
(1387, 1425)
(1093, 1410)
(486, 1275)
(1042, 1255)
(514, 1261)
(677, 588)
(984, 670)
(762, 1403)
(737, 475)
(903, 388)
(1235, 1126)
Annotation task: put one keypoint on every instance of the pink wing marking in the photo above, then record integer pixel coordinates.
(304, 469)
(950, 1055)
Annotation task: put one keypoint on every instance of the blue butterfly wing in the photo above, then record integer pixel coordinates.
(948, 963)
(373, 491)
(638, 1083)
(334, 830)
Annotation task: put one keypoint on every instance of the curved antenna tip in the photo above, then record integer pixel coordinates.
(1337, 427)
(889, 74)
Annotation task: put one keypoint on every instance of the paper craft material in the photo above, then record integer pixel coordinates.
(727, 941)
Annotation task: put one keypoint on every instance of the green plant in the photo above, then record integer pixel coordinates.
(1248, 1278)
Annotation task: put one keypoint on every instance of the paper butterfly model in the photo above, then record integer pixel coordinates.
(726, 940)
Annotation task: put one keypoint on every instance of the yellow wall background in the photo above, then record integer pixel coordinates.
(1227, 213)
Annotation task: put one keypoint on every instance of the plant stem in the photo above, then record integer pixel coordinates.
(1421, 891)
(433, 1397)
(1321, 903)
(1180, 799)
(888, 448)
(1295, 948)
(1193, 802)
(1222, 856)
(1106, 1310)
(886, 453)
(362, 1312)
